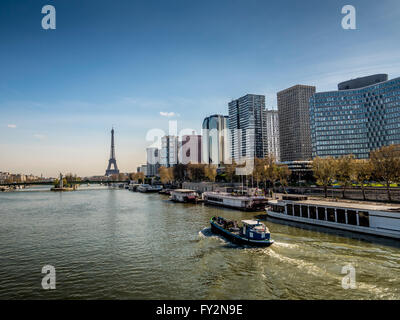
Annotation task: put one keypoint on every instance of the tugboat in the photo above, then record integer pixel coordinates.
(252, 232)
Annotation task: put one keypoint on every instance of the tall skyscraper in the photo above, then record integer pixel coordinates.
(362, 116)
(246, 126)
(169, 151)
(271, 135)
(294, 123)
(153, 161)
(190, 150)
(216, 142)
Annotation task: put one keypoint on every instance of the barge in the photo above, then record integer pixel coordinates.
(239, 202)
(252, 232)
(372, 219)
(148, 188)
(184, 196)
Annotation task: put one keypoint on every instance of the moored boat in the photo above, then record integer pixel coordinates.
(184, 195)
(367, 218)
(148, 188)
(236, 201)
(252, 232)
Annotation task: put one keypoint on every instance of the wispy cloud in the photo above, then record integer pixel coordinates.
(167, 114)
(12, 126)
(39, 136)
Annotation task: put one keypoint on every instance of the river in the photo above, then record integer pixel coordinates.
(116, 244)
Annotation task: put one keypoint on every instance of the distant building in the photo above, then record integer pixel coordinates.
(153, 161)
(169, 151)
(294, 123)
(190, 150)
(362, 116)
(143, 169)
(271, 134)
(246, 126)
(216, 140)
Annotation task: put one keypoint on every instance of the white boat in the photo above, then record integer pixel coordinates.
(184, 195)
(240, 202)
(148, 188)
(367, 218)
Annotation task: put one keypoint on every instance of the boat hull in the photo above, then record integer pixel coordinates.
(238, 239)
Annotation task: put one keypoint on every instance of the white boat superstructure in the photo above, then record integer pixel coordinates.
(241, 202)
(375, 219)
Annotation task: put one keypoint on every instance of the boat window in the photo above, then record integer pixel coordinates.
(304, 211)
(321, 213)
(289, 209)
(331, 214)
(297, 210)
(352, 217)
(313, 214)
(340, 215)
(363, 218)
(277, 208)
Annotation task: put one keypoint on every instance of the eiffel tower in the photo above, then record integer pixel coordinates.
(112, 161)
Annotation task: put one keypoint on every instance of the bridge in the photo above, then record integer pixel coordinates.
(50, 183)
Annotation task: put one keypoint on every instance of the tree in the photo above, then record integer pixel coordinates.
(230, 171)
(362, 173)
(283, 174)
(196, 171)
(324, 171)
(210, 172)
(258, 171)
(180, 172)
(166, 174)
(344, 171)
(270, 172)
(386, 165)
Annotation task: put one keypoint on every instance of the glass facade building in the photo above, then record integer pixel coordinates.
(356, 120)
(216, 140)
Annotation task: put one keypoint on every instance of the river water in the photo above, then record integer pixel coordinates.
(116, 244)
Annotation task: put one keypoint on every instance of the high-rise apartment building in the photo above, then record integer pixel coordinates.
(294, 123)
(216, 140)
(190, 150)
(246, 127)
(271, 134)
(153, 161)
(169, 151)
(363, 115)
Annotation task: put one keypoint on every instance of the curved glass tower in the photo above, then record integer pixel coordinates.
(356, 120)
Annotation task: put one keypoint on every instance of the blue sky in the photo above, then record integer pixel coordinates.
(138, 64)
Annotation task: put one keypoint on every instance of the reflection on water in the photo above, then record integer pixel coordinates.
(115, 244)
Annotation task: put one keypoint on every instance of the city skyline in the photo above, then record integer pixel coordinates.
(59, 103)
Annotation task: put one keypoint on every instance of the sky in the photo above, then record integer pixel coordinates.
(137, 65)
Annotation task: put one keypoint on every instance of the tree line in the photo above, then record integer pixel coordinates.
(383, 166)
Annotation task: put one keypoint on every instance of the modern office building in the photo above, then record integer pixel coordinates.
(246, 127)
(169, 151)
(271, 134)
(363, 115)
(294, 123)
(216, 139)
(190, 150)
(153, 161)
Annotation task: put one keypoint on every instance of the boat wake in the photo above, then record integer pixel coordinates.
(207, 233)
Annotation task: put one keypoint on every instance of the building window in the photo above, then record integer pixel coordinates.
(321, 213)
(331, 214)
(352, 217)
(313, 214)
(340, 215)
(304, 211)
(363, 218)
